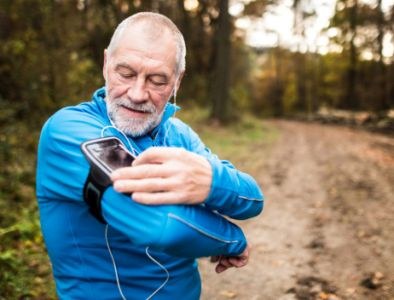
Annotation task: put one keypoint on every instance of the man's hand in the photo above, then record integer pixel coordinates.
(164, 175)
(226, 262)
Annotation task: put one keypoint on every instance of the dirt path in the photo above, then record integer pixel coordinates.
(327, 231)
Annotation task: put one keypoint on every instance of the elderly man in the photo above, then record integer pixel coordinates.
(145, 245)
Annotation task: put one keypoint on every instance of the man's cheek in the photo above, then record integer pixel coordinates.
(160, 99)
(117, 91)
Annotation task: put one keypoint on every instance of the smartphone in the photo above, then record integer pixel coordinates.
(105, 155)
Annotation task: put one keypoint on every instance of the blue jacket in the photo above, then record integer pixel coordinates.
(145, 251)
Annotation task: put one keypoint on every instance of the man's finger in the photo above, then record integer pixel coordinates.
(156, 155)
(225, 262)
(148, 185)
(238, 261)
(221, 267)
(158, 198)
(142, 171)
(215, 258)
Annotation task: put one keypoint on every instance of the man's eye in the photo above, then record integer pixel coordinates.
(126, 75)
(158, 81)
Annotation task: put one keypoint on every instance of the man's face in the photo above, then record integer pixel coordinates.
(140, 76)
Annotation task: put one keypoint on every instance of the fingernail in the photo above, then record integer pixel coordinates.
(118, 186)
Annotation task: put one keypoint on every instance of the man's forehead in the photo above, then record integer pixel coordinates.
(135, 42)
(150, 35)
(150, 30)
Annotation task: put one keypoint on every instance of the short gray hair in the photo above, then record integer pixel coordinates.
(156, 24)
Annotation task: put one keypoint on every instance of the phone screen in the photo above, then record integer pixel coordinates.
(111, 153)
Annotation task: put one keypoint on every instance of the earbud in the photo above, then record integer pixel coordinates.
(174, 95)
(175, 90)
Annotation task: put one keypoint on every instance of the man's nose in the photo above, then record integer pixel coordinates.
(137, 92)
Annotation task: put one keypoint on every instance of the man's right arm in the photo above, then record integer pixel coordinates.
(180, 230)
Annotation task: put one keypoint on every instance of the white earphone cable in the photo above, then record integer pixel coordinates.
(106, 227)
(163, 268)
(114, 264)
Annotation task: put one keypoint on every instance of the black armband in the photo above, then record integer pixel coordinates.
(93, 191)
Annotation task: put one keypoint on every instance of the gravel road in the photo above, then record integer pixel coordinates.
(327, 231)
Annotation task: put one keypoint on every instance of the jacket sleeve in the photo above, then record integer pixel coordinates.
(180, 230)
(233, 193)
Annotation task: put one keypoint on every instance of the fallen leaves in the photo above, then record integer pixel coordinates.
(228, 294)
(373, 280)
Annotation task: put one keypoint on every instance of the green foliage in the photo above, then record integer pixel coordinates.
(290, 96)
(332, 79)
(51, 55)
(82, 78)
(360, 30)
(239, 95)
(26, 272)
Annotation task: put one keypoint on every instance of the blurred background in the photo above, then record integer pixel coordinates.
(253, 68)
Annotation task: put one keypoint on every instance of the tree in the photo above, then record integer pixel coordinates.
(350, 100)
(384, 83)
(221, 72)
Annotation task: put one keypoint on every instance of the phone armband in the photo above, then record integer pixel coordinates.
(104, 156)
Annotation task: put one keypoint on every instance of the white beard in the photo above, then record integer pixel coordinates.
(134, 127)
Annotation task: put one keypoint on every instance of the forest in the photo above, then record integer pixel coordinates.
(51, 55)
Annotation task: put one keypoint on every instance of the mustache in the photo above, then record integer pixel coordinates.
(143, 107)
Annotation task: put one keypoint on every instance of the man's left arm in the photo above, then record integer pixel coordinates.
(233, 193)
(170, 175)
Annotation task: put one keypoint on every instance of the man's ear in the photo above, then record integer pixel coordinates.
(105, 64)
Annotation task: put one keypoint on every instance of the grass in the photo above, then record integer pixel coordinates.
(246, 142)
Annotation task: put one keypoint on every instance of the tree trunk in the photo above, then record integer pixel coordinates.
(221, 79)
(351, 101)
(382, 95)
(279, 89)
(299, 58)
(300, 78)
(183, 18)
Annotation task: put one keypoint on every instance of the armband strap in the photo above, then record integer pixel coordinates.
(93, 192)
